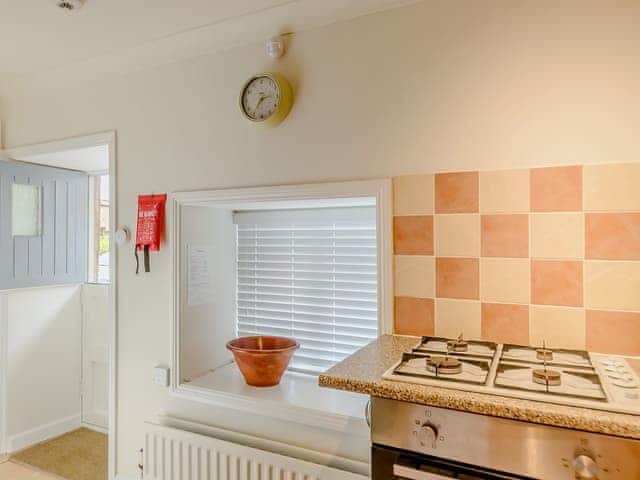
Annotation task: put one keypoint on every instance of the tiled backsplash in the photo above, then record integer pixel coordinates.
(521, 256)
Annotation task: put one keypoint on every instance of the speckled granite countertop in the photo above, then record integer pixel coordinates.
(362, 373)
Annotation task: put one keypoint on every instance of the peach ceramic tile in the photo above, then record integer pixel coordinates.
(505, 323)
(612, 187)
(557, 235)
(413, 195)
(505, 235)
(413, 235)
(457, 235)
(555, 282)
(556, 189)
(557, 327)
(613, 332)
(414, 316)
(612, 285)
(505, 280)
(457, 277)
(415, 276)
(504, 191)
(454, 317)
(457, 192)
(613, 236)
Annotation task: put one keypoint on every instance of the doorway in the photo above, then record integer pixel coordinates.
(95, 157)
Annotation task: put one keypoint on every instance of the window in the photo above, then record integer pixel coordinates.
(99, 235)
(26, 213)
(309, 274)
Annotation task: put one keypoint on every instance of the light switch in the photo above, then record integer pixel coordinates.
(161, 376)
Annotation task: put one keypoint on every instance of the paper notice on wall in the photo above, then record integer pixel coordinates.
(200, 288)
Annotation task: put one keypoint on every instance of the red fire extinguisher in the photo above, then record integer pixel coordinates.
(149, 226)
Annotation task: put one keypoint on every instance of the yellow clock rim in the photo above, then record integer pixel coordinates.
(286, 99)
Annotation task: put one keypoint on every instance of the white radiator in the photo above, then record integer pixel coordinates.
(172, 454)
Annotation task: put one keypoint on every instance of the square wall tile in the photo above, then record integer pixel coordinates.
(613, 332)
(613, 236)
(414, 316)
(505, 323)
(557, 327)
(612, 285)
(555, 282)
(557, 235)
(556, 189)
(504, 191)
(415, 276)
(458, 278)
(413, 195)
(505, 280)
(457, 192)
(612, 187)
(457, 235)
(413, 235)
(505, 235)
(455, 317)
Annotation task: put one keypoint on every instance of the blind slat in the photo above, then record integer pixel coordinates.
(310, 275)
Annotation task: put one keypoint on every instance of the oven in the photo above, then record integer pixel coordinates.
(391, 464)
(418, 442)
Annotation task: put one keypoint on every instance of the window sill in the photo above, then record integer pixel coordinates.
(298, 398)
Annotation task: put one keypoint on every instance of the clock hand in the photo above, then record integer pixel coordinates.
(262, 97)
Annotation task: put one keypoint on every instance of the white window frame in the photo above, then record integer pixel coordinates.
(262, 197)
(92, 267)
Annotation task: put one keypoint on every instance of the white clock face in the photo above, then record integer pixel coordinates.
(260, 98)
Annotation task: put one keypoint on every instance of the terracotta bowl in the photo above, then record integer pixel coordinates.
(263, 359)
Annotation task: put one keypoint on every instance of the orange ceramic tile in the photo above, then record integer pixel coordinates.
(505, 323)
(414, 316)
(457, 192)
(413, 235)
(556, 189)
(612, 236)
(458, 278)
(613, 332)
(555, 282)
(505, 236)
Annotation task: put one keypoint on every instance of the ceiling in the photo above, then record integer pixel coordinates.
(36, 36)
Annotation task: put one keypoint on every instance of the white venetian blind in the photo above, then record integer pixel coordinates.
(311, 275)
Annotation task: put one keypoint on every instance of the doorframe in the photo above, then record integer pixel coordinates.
(108, 138)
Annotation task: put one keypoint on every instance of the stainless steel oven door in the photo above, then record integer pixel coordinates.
(393, 464)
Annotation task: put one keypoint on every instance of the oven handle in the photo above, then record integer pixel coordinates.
(413, 474)
(367, 413)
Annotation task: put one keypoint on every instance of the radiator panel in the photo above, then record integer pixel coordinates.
(172, 454)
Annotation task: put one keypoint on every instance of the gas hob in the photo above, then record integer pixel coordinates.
(570, 377)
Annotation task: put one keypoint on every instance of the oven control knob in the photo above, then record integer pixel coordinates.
(585, 468)
(428, 434)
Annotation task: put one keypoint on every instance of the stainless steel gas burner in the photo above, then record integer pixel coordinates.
(446, 368)
(475, 348)
(559, 356)
(444, 365)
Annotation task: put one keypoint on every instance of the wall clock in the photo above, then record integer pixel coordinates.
(266, 99)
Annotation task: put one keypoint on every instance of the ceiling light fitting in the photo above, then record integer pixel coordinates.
(70, 5)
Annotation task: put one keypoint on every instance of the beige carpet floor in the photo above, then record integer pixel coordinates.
(78, 455)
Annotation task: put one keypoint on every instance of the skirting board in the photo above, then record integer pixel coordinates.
(95, 428)
(45, 432)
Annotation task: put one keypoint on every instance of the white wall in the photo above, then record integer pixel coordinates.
(431, 87)
(206, 325)
(43, 368)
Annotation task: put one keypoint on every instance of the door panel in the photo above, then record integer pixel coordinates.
(95, 354)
